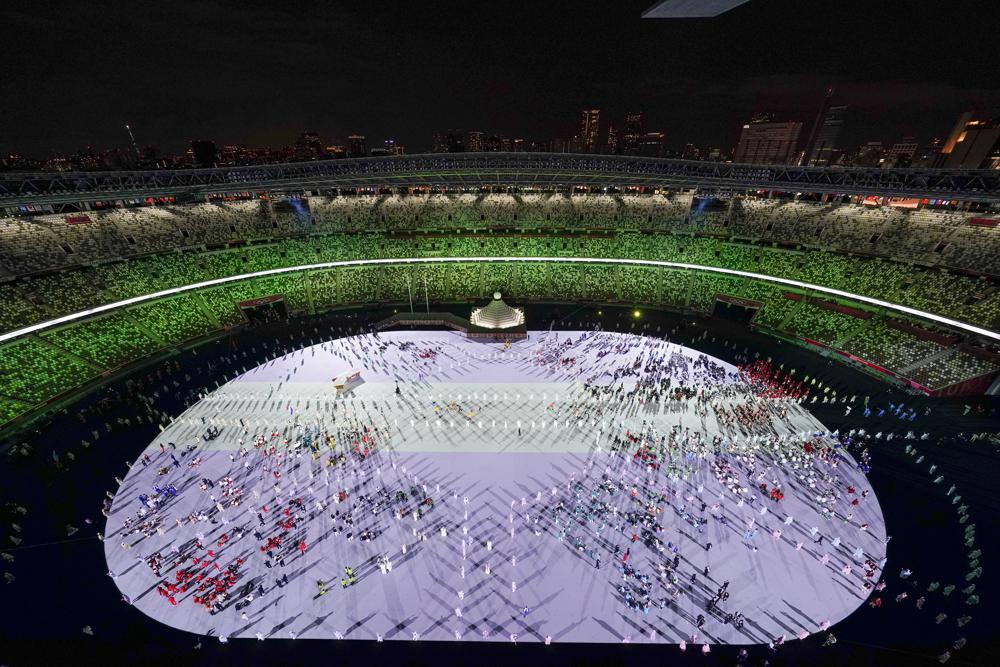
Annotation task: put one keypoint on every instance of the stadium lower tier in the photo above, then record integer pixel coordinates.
(971, 299)
(36, 369)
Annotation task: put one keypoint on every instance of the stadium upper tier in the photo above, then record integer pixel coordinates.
(501, 169)
(927, 237)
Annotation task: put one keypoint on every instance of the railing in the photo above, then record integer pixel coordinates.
(471, 170)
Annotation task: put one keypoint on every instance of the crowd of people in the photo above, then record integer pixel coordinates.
(344, 472)
(774, 385)
(35, 371)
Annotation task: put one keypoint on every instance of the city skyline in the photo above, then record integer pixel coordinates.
(596, 132)
(765, 139)
(497, 71)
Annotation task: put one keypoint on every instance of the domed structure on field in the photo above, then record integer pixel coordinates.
(497, 315)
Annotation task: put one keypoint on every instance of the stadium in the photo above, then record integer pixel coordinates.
(892, 278)
(566, 401)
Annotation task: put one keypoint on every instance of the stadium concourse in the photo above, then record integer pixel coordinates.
(571, 487)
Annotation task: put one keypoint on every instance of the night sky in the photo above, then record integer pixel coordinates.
(259, 73)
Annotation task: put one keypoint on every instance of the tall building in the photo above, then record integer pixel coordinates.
(308, 146)
(560, 145)
(928, 154)
(901, 153)
(474, 141)
(972, 144)
(390, 147)
(651, 144)
(455, 141)
(764, 141)
(439, 142)
(869, 155)
(635, 127)
(310, 141)
(452, 141)
(960, 125)
(589, 127)
(612, 143)
(825, 131)
(356, 145)
(204, 152)
(977, 147)
(825, 145)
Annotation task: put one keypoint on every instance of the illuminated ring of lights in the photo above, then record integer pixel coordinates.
(466, 260)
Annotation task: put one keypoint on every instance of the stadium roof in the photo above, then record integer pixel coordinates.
(472, 170)
(690, 9)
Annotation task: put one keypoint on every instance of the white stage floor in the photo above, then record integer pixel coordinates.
(490, 457)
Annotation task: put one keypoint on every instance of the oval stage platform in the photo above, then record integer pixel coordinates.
(520, 491)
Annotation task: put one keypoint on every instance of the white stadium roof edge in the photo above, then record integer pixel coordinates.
(690, 9)
(65, 319)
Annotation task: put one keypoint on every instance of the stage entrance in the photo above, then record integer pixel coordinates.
(735, 309)
(265, 309)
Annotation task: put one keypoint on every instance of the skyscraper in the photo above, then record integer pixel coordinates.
(635, 127)
(439, 142)
(977, 147)
(589, 125)
(308, 145)
(204, 152)
(356, 145)
(825, 131)
(960, 125)
(392, 148)
(474, 141)
(870, 154)
(901, 153)
(651, 144)
(691, 152)
(455, 141)
(452, 141)
(826, 139)
(612, 139)
(764, 141)
(928, 154)
(973, 144)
